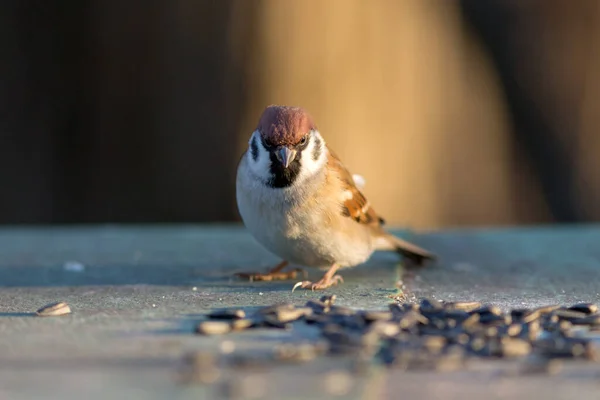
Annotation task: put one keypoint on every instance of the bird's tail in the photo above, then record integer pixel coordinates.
(389, 242)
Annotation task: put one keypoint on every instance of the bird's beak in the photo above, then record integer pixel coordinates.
(286, 156)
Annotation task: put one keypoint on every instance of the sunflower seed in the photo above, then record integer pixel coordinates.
(546, 309)
(455, 315)
(316, 319)
(491, 319)
(328, 300)
(411, 319)
(285, 315)
(471, 322)
(397, 309)
(317, 306)
(227, 314)
(54, 309)
(567, 314)
(487, 309)
(430, 305)
(518, 314)
(530, 331)
(514, 329)
(241, 324)
(587, 308)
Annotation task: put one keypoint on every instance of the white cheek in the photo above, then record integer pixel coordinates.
(261, 166)
(310, 166)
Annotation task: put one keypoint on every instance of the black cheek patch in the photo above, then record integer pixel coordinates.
(254, 149)
(316, 152)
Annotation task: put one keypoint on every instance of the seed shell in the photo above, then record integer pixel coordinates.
(54, 309)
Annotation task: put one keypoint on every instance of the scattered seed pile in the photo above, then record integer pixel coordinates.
(428, 335)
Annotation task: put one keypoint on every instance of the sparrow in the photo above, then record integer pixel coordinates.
(300, 202)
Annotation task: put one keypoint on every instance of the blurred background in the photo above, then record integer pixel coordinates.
(457, 113)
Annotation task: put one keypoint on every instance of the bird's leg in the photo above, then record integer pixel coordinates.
(328, 280)
(274, 273)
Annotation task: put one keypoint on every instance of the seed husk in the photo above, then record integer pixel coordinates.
(463, 305)
(285, 315)
(54, 309)
(274, 309)
(213, 327)
(531, 316)
(546, 309)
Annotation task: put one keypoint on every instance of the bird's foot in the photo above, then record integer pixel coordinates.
(324, 283)
(275, 274)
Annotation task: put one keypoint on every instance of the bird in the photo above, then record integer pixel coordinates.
(300, 202)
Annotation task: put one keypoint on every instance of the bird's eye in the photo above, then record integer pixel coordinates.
(303, 140)
(267, 145)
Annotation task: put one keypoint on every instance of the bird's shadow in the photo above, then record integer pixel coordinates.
(17, 314)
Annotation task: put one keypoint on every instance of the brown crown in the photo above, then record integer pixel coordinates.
(283, 125)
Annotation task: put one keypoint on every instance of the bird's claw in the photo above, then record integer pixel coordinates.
(320, 285)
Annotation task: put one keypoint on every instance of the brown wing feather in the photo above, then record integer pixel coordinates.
(356, 206)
